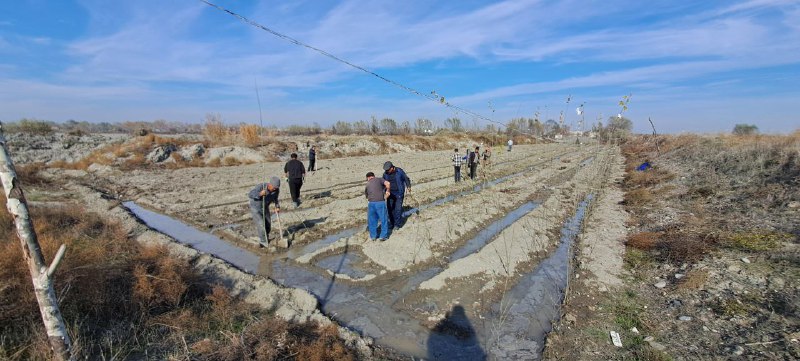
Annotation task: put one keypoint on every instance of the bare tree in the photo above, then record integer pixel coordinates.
(41, 274)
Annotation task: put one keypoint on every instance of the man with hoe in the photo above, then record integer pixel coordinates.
(260, 197)
(398, 183)
(377, 191)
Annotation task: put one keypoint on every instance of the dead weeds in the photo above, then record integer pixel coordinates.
(120, 298)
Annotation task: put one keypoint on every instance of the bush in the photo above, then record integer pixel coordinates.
(32, 126)
(745, 129)
(214, 131)
(250, 135)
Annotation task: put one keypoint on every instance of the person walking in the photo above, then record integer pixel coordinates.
(295, 175)
(398, 183)
(472, 162)
(487, 157)
(312, 158)
(377, 191)
(510, 143)
(457, 161)
(260, 197)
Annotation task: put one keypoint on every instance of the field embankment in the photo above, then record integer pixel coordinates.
(711, 254)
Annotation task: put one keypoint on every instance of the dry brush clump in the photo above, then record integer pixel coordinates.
(734, 191)
(120, 298)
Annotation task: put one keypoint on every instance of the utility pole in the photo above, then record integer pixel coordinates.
(41, 274)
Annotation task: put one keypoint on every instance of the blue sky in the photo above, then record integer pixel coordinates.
(699, 66)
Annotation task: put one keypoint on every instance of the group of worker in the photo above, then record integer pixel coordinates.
(473, 159)
(384, 195)
(265, 194)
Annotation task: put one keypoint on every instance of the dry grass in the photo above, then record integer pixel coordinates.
(120, 298)
(28, 174)
(638, 197)
(216, 133)
(250, 135)
(756, 241)
(644, 241)
(695, 279)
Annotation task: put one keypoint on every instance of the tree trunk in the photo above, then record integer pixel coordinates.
(41, 275)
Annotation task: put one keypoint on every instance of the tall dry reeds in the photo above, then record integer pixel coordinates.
(250, 135)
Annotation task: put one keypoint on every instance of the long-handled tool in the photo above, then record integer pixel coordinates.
(284, 242)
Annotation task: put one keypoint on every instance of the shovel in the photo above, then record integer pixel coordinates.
(282, 242)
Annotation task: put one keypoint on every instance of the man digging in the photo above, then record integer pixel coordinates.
(260, 197)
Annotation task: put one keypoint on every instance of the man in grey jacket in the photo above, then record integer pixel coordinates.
(377, 191)
(260, 197)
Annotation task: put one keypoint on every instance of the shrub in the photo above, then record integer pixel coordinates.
(745, 129)
(32, 126)
(214, 131)
(249, 134)
(644, 241)
(638, 197)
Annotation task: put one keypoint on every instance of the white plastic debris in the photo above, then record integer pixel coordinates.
(615, 339)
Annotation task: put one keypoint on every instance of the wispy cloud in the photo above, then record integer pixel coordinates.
(192, 57)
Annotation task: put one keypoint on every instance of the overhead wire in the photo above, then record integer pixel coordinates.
(432, 97)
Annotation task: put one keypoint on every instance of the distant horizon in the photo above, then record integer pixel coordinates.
(698, 67)
(437, 126)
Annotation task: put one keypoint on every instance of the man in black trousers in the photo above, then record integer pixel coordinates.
(474, 159)
(295, 174)
(312, 158)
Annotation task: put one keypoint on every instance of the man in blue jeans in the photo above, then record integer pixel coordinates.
(398, 183)
(376, 191)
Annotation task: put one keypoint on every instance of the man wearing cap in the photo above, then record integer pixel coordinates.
(377, 191)
(260, 198)
(398, 183)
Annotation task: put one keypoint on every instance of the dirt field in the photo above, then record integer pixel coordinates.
(672, 258)
(442, 285)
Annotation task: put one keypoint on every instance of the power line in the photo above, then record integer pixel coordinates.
(433, 96)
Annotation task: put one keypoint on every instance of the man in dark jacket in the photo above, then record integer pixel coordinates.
(295, 174)
(398, 183)
(312, 159)
(474, 159)
(260, 197)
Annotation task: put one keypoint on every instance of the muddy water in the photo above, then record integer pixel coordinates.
(201, 241)
(531, 306)
(514, 329)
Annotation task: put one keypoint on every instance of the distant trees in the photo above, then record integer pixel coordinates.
(423, 126)
(454, 124)
(617, 128)
(745, 129)
(34, 126)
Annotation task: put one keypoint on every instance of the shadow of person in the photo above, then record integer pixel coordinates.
(453, 338)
